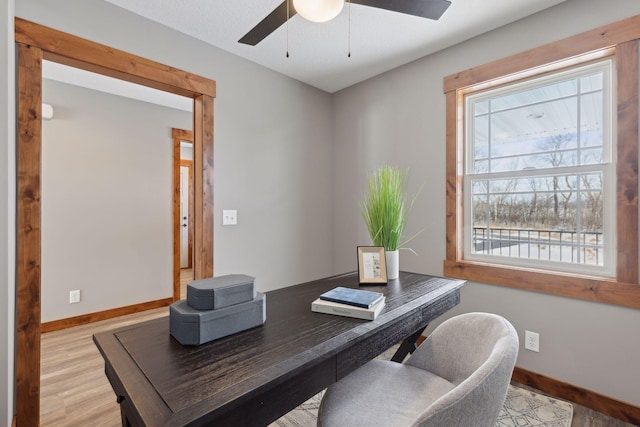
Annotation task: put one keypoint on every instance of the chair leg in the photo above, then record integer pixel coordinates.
(407, 346)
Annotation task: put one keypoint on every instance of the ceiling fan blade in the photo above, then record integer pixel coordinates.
(268, 25)
(431, 9)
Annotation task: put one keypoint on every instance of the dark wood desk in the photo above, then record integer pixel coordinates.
(254, 377)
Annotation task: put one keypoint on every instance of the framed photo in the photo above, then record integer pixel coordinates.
(372, 265)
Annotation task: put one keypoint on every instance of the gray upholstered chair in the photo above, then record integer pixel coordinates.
(457, 378)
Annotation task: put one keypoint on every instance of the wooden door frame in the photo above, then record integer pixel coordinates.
(34, 43)
(185, 163)
(178, 136)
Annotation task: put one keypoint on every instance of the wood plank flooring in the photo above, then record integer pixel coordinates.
(76, 392)
(186, 276)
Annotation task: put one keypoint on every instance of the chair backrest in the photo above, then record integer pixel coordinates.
(477, 353)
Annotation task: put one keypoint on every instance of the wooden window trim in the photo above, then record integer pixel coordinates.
(35, 43)
(619, 39)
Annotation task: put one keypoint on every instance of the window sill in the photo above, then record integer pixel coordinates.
(589, 288)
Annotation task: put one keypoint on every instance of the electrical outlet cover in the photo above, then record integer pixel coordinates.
(74, 297)
(532, 341)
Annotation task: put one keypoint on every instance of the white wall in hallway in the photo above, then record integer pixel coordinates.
(107, 200)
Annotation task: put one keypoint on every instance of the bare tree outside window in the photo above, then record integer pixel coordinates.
(537, 178)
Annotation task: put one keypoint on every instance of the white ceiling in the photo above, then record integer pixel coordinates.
(380, 40)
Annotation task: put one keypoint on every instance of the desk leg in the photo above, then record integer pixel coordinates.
(125, 421)
(123, 416)
(407, 346)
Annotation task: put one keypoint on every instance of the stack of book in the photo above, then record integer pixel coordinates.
(350, 302)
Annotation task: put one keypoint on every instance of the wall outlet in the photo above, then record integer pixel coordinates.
(532, 341)
(74, 297)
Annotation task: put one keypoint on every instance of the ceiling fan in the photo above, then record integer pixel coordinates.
(431, 9)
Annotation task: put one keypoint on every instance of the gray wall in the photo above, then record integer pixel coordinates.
(107, 200)
(275, 156)
(399, 118)
(7, 211)
(273, 151)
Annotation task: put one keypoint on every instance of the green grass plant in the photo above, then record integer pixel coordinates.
(384, 207)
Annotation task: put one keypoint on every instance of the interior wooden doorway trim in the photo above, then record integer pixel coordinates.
(35, 43)
(184, 163)
(180, 135)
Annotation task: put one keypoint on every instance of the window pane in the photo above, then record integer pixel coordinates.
(544, 127)
(481, 143)
(535, 95)
(592, 82)
(540, 218)
(537, 158)
(591, 127)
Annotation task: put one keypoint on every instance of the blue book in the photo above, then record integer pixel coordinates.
(355, 297)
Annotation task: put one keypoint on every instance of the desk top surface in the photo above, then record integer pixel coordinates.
(195, 380)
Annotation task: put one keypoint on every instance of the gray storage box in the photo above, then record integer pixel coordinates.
(193, 327)
(219, 292)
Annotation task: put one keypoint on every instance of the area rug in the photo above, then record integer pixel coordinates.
(522, 408)
(527, 408)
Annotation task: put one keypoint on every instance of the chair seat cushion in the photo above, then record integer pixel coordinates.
(381, 393)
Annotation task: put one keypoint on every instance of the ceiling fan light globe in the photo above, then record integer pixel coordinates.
(318, 10)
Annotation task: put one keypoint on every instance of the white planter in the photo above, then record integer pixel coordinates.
(393, 264)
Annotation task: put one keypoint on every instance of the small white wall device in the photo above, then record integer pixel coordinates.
(47, 112)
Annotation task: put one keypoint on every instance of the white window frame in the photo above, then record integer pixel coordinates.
(607, 168)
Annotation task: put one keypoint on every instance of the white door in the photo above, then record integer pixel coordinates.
(184, 217)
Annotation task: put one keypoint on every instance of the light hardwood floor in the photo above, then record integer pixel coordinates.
(186, 276)
(76, 392)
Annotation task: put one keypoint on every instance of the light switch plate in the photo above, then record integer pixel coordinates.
(229, 217)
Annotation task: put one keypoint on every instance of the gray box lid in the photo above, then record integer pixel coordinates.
(219, 292)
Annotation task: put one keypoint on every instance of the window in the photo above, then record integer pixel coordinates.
(542, 168)
(540, 172)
